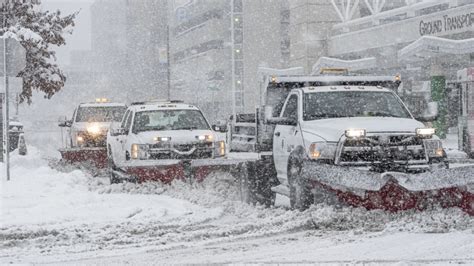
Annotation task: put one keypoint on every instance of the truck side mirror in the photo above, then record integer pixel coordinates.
(117, 131)
(430, 114)
(219, 128)
(65, 123)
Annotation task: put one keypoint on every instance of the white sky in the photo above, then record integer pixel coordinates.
(81, 37)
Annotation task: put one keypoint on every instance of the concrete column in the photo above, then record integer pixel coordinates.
(438, 94)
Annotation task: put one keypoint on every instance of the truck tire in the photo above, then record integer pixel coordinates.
(301, 197)
(256, 183)
(264, 181)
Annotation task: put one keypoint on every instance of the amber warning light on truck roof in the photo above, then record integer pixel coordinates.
(101, 100)
(334, 70)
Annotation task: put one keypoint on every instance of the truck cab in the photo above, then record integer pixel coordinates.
(86, 132)
(354, 126)
(90, 122)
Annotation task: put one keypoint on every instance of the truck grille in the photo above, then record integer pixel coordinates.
(94, 140)
(200, 150)
(383, 149)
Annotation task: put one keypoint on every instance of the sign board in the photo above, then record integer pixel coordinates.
(446, 22)
(16, 57)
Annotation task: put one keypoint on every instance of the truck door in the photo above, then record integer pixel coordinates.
(284, 137)
(71, 134)
(118, 143)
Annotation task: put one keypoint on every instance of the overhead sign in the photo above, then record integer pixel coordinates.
(446, 23)
(16, 57)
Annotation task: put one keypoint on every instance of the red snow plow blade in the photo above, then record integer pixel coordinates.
(394, 191)
(94, 156)
(165, 174)
(168, 170)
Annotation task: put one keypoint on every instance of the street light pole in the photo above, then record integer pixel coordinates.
(6, 120)
(168, 59)
(232, 58)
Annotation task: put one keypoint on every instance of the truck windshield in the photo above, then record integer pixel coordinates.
(169, 120)
(333, 104)
(100, 114)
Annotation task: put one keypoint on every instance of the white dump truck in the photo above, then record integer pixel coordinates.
(350, 139)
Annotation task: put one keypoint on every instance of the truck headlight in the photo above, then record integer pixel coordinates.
(322, 150)
(139, 151)
(94, 129)
(219, 148)
(355, 133)
(434, 148)
(425, 133)
(163, 139)
(205, 137)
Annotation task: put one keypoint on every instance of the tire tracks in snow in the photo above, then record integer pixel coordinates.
(237, 221)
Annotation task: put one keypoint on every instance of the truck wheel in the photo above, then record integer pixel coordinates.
(301, 197)
(264, 178)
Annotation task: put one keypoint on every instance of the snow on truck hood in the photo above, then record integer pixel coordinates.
(333, 129)
(177, 136)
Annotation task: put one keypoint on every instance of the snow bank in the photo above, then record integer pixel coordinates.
(40, 196)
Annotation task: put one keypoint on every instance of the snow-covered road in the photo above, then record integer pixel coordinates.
(52, 216)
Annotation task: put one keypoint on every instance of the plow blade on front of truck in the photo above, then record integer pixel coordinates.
(94, 156)
(395, 191)
(166, 171)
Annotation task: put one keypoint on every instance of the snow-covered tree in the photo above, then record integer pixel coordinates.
(37, 31)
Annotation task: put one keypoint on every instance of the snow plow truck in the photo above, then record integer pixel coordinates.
(164, 141)
(349, 140)
(86, 132)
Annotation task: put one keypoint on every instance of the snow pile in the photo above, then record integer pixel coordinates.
(47, 209)
(42, 196)
(50, 215)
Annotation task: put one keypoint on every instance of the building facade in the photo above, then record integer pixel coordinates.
(128, 38)
(216, 48)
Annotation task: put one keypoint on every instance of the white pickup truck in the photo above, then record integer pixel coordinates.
(86, 132)
(350, 140)
(357, 127)
(154, 139)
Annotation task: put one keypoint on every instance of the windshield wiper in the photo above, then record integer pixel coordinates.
(185, 128)
(311, 117)
(152, 129)
(382, 114)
